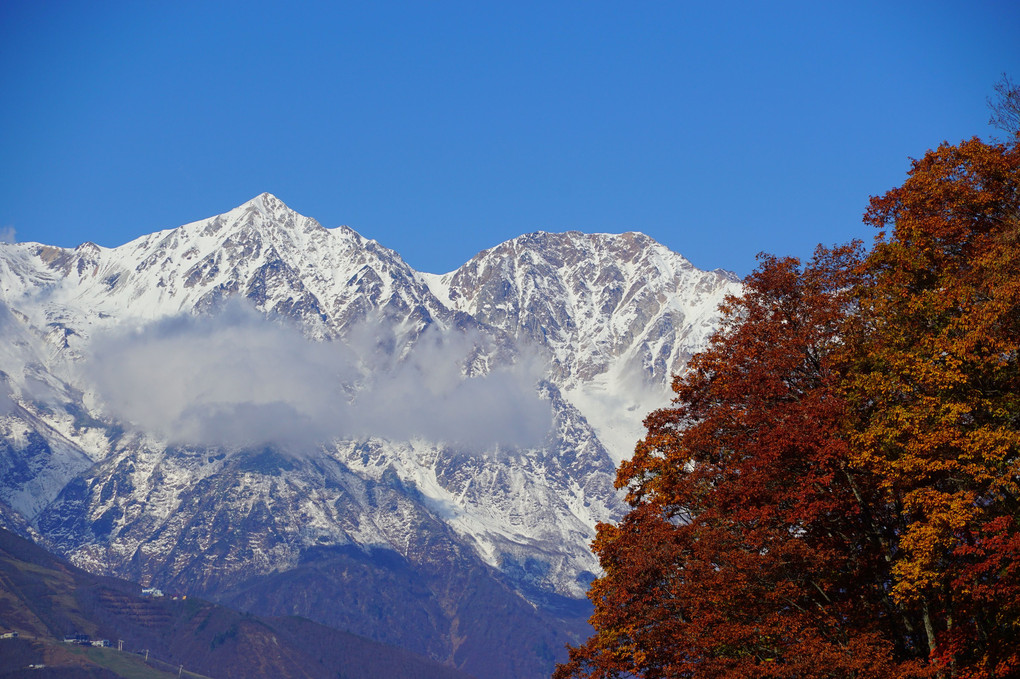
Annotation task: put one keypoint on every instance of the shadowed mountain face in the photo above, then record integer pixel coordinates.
(46, 599)
(290, 419)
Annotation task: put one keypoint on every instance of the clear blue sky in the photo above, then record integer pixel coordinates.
(442, 128)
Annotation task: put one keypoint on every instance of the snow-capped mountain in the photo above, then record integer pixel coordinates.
(264, 251)
(411, 448)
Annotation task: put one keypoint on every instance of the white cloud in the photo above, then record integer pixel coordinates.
(425, 394)
(7, 234)
(237, 379)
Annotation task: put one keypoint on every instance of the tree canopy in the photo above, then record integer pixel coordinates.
(836, 489)
(1006, 107)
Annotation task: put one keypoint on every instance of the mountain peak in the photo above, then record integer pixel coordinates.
(267, 204)
(267, 216)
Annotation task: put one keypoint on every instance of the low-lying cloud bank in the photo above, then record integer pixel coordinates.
(237, 379)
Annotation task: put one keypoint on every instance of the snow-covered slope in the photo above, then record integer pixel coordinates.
(592, 325)
(620, 315)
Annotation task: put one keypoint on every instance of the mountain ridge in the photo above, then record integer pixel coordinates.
(586, 327)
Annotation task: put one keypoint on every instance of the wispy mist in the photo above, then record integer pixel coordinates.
(236, 379)
(6, 400)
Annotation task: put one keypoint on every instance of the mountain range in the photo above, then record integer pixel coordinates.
(290, 420)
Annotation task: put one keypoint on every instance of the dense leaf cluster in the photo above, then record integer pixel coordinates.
(836, 490)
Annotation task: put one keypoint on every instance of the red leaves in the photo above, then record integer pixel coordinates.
(740, 557)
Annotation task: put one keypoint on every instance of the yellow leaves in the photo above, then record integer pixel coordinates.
(938, 522)
(933, 379)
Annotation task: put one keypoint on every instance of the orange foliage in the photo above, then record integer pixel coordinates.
(934, 384)
(834, 492)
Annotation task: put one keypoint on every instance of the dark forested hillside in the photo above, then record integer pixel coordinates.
(45, 599)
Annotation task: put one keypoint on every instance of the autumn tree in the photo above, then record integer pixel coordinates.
(934, 387)
(835, 491)
(743, 554)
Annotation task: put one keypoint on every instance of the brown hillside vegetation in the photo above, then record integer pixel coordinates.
(45, 598)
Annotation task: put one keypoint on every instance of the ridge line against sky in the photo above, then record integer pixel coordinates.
(442, 129)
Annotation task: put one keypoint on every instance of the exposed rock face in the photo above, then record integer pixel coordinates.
(411, 541)
(595, 300)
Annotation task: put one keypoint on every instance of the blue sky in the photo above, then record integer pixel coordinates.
(442, 128)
